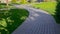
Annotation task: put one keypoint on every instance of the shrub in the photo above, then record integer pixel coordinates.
(11, 19)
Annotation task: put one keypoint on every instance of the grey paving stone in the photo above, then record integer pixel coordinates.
(38, 22)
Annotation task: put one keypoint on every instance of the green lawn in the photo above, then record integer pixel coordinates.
(11, 19)
(50, 7)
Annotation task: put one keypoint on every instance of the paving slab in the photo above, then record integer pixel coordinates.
(38, 22)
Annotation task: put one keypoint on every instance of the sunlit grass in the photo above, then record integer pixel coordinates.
(49, 7)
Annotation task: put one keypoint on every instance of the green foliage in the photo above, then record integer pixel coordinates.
(2, 5)
(58, 0)
(11, 19)
(3, 30)
(3, 23)
(58, 11)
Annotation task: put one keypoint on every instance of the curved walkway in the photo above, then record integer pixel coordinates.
(38, 22)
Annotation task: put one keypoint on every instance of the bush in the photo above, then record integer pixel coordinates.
(11, 19)
(2, 5)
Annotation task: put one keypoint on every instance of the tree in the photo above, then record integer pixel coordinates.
(58, 10)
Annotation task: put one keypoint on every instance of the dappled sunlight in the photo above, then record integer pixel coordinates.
(3, 30)
(36, 15)
(3, 23)
(23, 17)
(32, 18)
(38, 10)
(10, 21)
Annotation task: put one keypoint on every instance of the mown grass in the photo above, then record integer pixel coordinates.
(11, 19)
(50, 7)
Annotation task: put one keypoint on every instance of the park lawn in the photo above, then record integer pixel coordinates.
(50, 7)
(11, 19)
